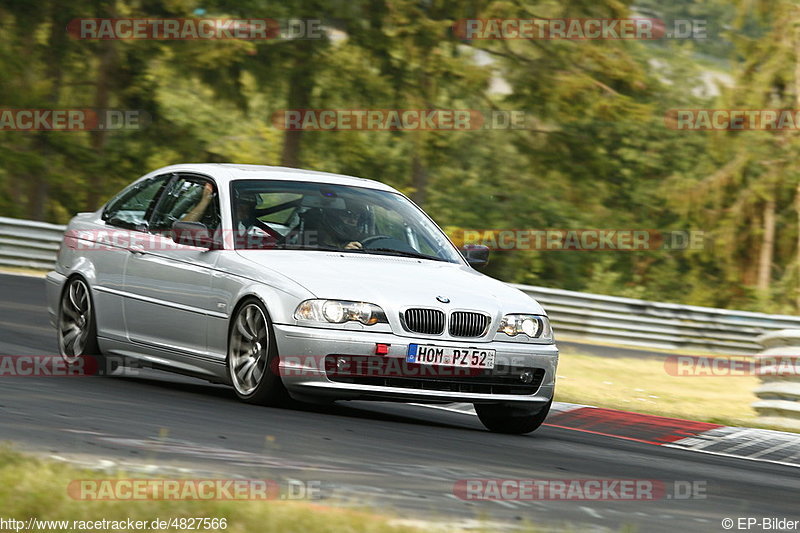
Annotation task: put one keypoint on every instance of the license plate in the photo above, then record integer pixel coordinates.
(426, 354)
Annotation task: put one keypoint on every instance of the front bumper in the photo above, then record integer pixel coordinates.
(302, 348)
(54, 284)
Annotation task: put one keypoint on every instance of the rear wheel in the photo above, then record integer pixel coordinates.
(77, 328)
(253, 357)
(503, 419)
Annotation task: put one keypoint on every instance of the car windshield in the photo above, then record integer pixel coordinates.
(269, 214)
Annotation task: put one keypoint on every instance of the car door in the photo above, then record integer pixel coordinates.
(168, 284)
(123, 220)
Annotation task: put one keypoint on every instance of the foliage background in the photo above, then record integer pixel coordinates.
(600, 154)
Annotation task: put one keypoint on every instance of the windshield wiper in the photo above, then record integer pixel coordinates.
(297, 246)
(312, 247)
(403, 253)
(380, 251)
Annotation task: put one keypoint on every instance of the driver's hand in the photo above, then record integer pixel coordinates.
(354, 245)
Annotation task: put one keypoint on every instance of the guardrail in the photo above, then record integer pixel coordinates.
(575, 315)
(29, 244)
(648, 324)
(779, 392)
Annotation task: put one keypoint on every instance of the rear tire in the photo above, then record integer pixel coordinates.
(502, 419)
(76, 328)
(253, 357)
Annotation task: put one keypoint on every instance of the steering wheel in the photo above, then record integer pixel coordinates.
(373, 238)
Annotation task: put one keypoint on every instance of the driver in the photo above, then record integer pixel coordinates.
(343, 228)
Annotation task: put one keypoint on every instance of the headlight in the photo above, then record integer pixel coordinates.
(534, 326)
(339, 312)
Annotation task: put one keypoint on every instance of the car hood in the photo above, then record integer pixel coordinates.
(393, 281)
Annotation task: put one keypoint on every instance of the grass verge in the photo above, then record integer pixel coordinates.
(643, 385)
(33, 488)
(23, 271)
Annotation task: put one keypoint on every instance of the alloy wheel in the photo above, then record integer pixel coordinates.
(249, 349)
(75, 321)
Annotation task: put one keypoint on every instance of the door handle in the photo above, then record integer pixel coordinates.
(136, 249)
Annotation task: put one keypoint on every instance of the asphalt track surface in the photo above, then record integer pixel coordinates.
(402, 458)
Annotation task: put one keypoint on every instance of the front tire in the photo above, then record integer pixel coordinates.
(502, 419)
(77, 328)
(253, 356)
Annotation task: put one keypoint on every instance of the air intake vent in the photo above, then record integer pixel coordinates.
(466, 324)
(426, 321)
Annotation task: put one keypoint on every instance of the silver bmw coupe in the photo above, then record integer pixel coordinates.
(293, 284)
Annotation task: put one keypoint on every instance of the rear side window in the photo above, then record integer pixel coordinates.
(188, 199)
(132, 207)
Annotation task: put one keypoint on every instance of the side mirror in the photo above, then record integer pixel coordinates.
(477, 255)
(193, 234)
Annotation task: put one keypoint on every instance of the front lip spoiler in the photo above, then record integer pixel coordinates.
(354, 391)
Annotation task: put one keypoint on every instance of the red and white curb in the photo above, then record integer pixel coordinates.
(745, 443)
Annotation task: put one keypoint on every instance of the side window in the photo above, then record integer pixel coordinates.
(425, 246)
(132, 207)
(188, 199)
(390, 223)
